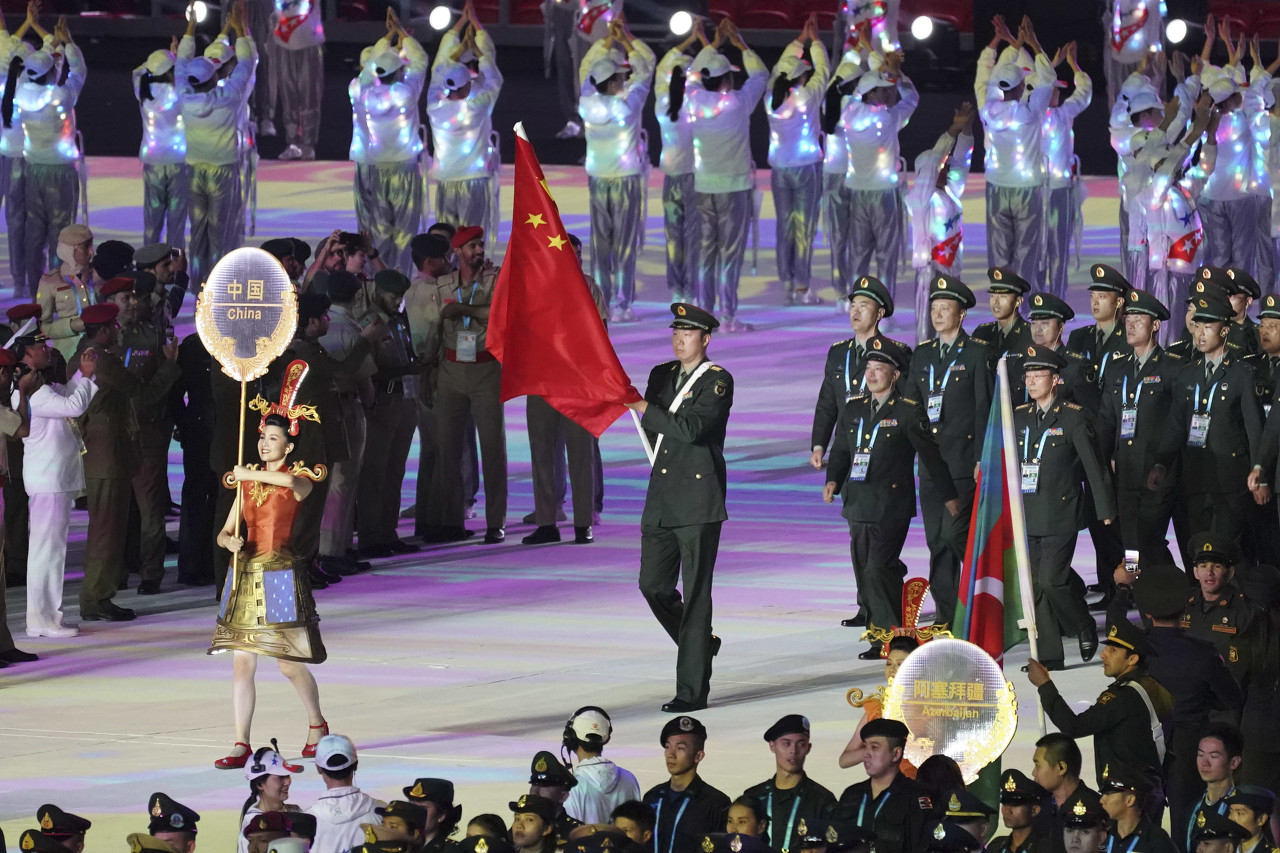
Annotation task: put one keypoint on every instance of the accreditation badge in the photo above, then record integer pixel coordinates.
(935, 408)
(466, 348)
(1199, 430)
(1030, 477)
(861, 462)
(1128, 422)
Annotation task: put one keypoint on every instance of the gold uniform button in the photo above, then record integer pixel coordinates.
(697, 476)
(664, 470)
(935, 430)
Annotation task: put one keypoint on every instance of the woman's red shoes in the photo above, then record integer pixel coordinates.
(309, 751)
(233, 761)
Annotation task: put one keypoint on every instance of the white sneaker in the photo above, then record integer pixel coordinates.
(628, 316)
(571, 130)
(616, 316)
(293, 152)
(809, 297)
(56, 632)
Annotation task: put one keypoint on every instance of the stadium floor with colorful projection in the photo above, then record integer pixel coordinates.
(462, 661)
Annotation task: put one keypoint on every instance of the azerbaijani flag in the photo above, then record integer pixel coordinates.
(991, 600)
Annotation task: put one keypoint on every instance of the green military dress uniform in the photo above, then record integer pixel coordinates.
(1229, 623)
(1057, 451)
(1011, 340)
(684, 506)
(953, 382)
(872, 464)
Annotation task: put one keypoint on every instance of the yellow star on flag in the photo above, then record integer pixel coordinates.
(535, 219)
(556, 242)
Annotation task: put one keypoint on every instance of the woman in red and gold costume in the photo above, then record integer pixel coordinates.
(267, 608)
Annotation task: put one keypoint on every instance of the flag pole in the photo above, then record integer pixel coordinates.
(1018, 521)
(649, 450)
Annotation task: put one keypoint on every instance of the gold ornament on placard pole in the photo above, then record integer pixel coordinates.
(246, 315)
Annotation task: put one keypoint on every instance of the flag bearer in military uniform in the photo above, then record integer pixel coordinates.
(887, 804)
(1252, 807)
(1056, 446)
(789, 795)
(1125, 719)
(685, 412)
(1008, 333)
(1137, 394)
(684, 807)
(1217, 610)
(949, 374)
(873, 466)
(1020, 800)
(1127, 795)
(1214, 428)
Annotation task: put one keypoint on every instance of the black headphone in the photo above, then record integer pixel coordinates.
(258, 766)
(570, 740)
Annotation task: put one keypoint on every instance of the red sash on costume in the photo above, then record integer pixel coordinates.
(945, 252)
(287, 26)
(1186, 247)
(1122, 32)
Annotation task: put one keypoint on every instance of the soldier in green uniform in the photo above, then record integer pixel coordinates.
(949, 374)
(1105, 338)
(872, 465)
(552, 781)
(1127, 795)
(1137, 394)
(842, 379)
(110, 437)
(789, 795)
(138, 348)
(1020, 800)
(1078, 378)
(1008, 333)
(1266, 373)
(1242, 290)
(1217, 610)
(684, 413)
(1057, 451)
(1251, 807)
(887, 804)
(1127, 717)
(1214, 428)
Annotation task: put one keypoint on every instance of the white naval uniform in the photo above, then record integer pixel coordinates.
(795, 163)
(386, 142)
(876, 215)
(936, 218)
(212, 122)
(465, 163)
(1062, 204)
(1015, 168)
(295, 71)
(166, 177)
(679, 214)
(615, 171)
(51, 151)
(722, 181)
(53, 475)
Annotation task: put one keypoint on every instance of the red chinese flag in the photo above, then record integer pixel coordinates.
(543, 324)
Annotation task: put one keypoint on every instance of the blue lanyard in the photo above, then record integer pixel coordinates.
(466, 321)
(657, 824)
(1132, 844)
(1221, 809)
(1137, 395)
(791, 822)
(946, 376)
(862, 809)
(1196, 403)
(128, 354)
(1026, 444)
(874, 433)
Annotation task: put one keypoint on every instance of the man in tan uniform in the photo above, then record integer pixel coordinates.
(65, 292)
(469, 381)
(430, 253)
(551, 436)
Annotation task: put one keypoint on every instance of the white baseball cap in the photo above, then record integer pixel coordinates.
(219, 51)
(1007, 75)
(335, 752)
(872, 80)
(269, 763)
(1143, 100)
(38, 64)
(717, 66)
(602, 70)
(451, 75)
(386, 61)
(793, 67)
(591, 722)
(201, 69)
(159, 62)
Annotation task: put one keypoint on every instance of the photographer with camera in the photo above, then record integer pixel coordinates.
(53, 476)
(14, 424)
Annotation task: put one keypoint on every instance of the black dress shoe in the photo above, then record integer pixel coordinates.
(376, 552)
(583, 536)
(110, 612)
(151, 587)
(336, 566)
(441, 535)
(859, 620)
(399, 546)
(17, 656)
(495, 535)
(683, 706)
(715, 645)
(1088, 644)
(541, 536)
(872, 653)
(318, 569)
(316, 580)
